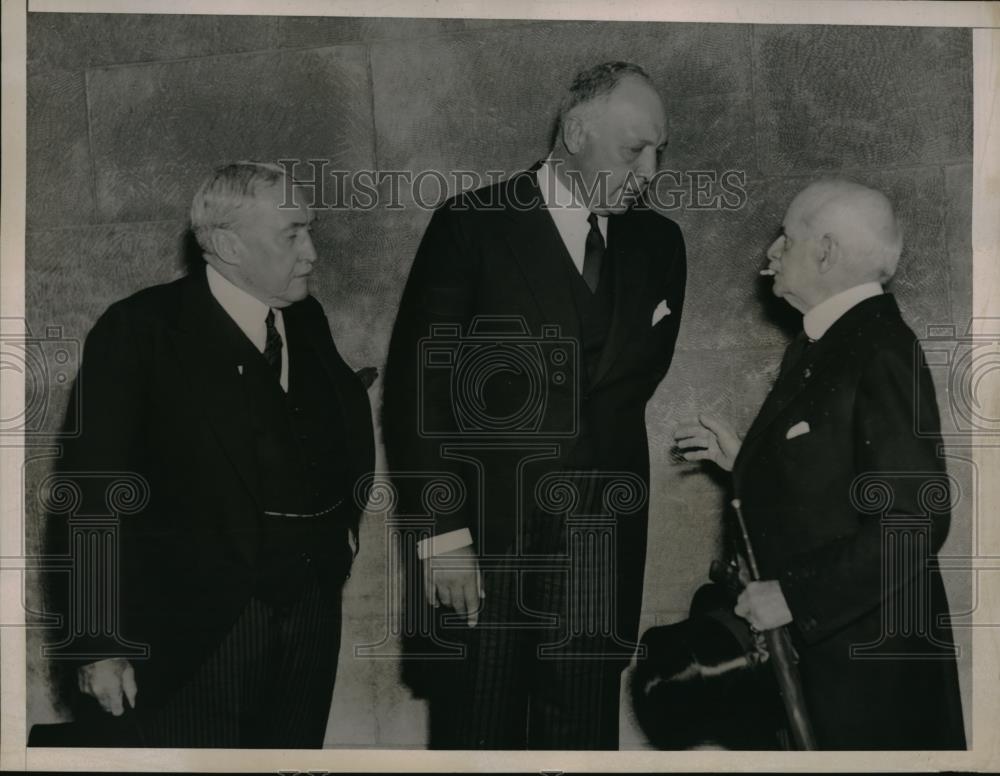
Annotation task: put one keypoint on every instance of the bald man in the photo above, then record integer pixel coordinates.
(845, 504)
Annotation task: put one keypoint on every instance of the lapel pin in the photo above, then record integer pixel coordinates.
(807, 373)
(239, 368)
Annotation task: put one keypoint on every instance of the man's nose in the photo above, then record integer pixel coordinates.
(646, 167)
(774, 252)
(308, 250)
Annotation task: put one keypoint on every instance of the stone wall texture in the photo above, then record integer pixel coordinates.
(126, 113)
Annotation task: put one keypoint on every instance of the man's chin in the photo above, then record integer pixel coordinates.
(616, 209)
(298, 291)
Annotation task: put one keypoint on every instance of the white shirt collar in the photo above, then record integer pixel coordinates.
(820, 318)
(249, 313)
(555, 195)
(569, 215)
(246, 310)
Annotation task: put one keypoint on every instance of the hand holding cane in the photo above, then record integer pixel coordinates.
(779, 645)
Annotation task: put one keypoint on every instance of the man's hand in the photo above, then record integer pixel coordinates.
(707, 438)
(453, 579)
(107, 681)
(763, 605)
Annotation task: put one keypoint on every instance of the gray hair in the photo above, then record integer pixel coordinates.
(595, 82)
(221, 197)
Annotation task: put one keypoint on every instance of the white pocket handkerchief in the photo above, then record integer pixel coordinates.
(800, 428)
(660, 312)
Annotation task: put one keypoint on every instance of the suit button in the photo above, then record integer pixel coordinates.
(307, 558)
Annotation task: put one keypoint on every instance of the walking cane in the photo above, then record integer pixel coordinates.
(786, 671)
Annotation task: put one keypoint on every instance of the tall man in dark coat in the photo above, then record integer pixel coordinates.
(548, 307)
(846, 504)
(224, 393)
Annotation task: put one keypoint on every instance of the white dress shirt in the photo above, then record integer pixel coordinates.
(819, 319)
(568, 214)
(249, 313)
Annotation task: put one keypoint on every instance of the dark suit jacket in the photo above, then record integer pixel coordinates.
(161, 396)
(823, 524)
(497, 252)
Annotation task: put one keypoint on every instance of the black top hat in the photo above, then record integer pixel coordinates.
(702, 682)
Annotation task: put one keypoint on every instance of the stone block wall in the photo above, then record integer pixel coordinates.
(126, 114)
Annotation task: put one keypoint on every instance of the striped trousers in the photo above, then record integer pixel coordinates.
(506, 693)
(530, 677)
(268, 684)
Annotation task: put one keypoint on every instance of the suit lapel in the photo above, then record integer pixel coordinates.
(214, 351)
(792, 379)
(820, 357)
(540, 254)
(536, 242)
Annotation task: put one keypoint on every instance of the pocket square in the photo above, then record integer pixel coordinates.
(660, 312)
(798, 429)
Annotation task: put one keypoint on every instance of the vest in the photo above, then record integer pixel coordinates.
(594, 312)
(304, 475)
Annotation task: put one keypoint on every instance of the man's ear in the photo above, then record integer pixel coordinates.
(573, 133)
(225, 244)
(828, 254)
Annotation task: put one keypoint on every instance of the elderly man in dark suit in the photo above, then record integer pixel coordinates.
(553, 274)
(224, 392)
(846, 503)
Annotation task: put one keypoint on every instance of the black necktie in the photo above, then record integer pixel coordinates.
(795, 352)
(594, 254)
(272, 345)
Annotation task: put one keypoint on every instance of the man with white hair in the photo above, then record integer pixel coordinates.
(845, 503)
(225, 392)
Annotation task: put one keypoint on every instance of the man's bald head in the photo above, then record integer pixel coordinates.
(859, 220)
(836, 235)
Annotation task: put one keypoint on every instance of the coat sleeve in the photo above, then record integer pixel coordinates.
(354, 387)
(104, 453)
(899, 494)
(417, 412)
